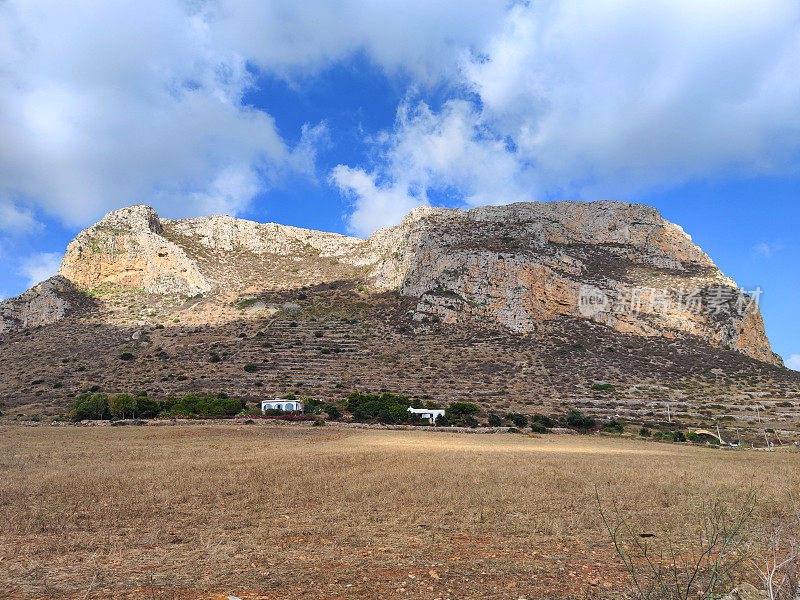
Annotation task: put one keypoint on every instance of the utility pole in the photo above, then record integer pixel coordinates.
(758, 412)
(669, 414)
(719, 436)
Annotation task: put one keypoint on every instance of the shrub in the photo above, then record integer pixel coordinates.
(459, 410)
(385, 407)
(126, 356)
(603, 387)
(543, 420)
(644, 432)
(577, 420)
(613, 426)
(539, 428)
(442, 421)
(214, 357)
(519, 420)
(678, 436)
(318, 334)
(495, 421)
(470, 421)
(250, 368)
(333, 412)
(201, 405)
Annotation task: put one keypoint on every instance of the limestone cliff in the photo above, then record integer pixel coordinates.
(522, 265)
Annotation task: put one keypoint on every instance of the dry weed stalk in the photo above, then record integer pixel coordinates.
(696, 565)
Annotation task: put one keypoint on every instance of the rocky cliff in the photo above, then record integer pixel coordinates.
(524, 266)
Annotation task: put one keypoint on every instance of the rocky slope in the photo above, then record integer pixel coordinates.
(522, 266)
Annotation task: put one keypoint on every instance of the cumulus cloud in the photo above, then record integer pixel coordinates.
(607, 99)
(122, 103)
(420, 38)
(449, 153)
(15, 219)
(793, 362)
(40, 266)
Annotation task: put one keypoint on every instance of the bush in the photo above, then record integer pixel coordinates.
(577, 420)
(470, 421)
(613, 426)
(250, 368)
(603, 387)
(539, 428)
(333, 412)
(520, 421)
(126, 356)
(543, 420)
(214, 357)
(442, 421)
(192, 405)
(458, 410)
(495, 421)
(384, 407)
(644, 432)
(678, 436)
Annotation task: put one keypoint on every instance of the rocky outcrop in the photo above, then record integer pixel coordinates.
(43, 304)
(126, 250)
(521, 265)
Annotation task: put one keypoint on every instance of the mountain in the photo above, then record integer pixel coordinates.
(520, 305)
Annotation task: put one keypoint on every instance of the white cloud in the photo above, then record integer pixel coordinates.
(606, 99)
(422, 38)
(40, 266)
(766, 249)
(15, 219)
(121, 103)
(448, 152)
(618, 96)
(793, 362)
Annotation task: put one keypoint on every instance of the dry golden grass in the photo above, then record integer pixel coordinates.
(296, 512)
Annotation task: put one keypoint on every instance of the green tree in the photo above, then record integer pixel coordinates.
(122, 405)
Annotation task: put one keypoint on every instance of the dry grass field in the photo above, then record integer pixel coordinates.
(265, 511)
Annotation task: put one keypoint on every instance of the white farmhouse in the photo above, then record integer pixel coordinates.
(281, 404)
(427, 413)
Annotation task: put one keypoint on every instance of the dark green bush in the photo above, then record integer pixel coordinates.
(333, 412)
(250, 368)
(539, 428)
(644, 432)
(214, 357)
(519, 420)
(126, 356)
(603, 387)
(470, 421)
(385, 407)
(577, 420)
(201, 405)
(613, 426)
(442, 421)
(543, 420)
(458, 410)
(495, 421)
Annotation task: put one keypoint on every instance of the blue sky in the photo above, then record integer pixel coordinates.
(343, 115)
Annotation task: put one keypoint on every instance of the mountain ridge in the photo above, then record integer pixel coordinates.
(520, 264)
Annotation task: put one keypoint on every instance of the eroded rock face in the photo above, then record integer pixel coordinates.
(525, 264)
(521, 265)
(43, 304)
(125, 250)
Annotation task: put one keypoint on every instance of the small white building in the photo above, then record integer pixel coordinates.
(281, 404)
(427, 413)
